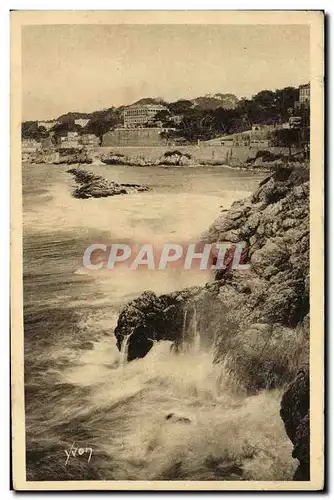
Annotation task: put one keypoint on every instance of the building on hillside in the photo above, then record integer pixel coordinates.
(304, 93)
(71, 140)
(65, 144)
(176, 119)
(30, 145)
(72, 135)
(295, 122)
(49, 142)
(48, 124)
(82, 122)
(89, 140)
(241, 139)
(140, 115)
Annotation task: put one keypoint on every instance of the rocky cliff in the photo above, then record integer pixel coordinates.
(257, 320)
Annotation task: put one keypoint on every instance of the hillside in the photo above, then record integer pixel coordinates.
(203, 118)
(147, 100)
(226, 101)
(208, 102)
(73, 115)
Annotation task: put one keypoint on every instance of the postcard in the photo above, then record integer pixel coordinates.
(167, 250)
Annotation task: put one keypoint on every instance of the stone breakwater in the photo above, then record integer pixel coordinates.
(258, 320)
(95, 186)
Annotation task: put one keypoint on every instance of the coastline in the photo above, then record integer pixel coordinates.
(241, 158)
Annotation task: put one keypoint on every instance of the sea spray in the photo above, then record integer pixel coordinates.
(125, 349)
(85, 394)
(216, 432)
(184, 326)
(191, 341)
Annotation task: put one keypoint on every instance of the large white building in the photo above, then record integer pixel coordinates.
(30, 145)
(304, 93)
(140, 115)
(89, 140)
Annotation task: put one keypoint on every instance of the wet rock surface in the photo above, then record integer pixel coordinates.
(150, 318)
(295, 408)
(92, 185)
(59, 157)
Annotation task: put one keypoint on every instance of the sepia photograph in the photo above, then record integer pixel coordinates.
(166, 232)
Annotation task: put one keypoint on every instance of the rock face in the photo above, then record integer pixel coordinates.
(256, 319)
(95, 186)
(295, 407)
(61, 156)
(274, 224)
(116, 159)
(264, 308)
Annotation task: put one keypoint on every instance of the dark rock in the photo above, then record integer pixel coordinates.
(95, 186)
(176, 158)
(295, 407)
(61, 156)
(174, 417)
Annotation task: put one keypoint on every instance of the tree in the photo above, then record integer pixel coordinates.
(287, 138)
(61, 129)
(164, 117)
(100, 126)
(285, 101)
(31, 130)
(180, 107)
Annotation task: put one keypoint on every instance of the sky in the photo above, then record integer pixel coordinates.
(89, 67)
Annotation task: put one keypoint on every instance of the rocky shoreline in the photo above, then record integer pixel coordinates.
(263, 161)
(257, 320)
(92, 185)
(63, 157)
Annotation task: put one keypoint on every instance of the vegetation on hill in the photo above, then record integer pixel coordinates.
(31, 130)
(202, 118)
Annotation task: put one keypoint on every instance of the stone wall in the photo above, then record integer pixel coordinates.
(216, 154)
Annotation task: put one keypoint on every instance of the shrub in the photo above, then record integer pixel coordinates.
(175, 152)
(266, 155)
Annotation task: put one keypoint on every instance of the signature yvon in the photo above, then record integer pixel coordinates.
(81, 452)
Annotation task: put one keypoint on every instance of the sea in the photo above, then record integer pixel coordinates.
(90, 414)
